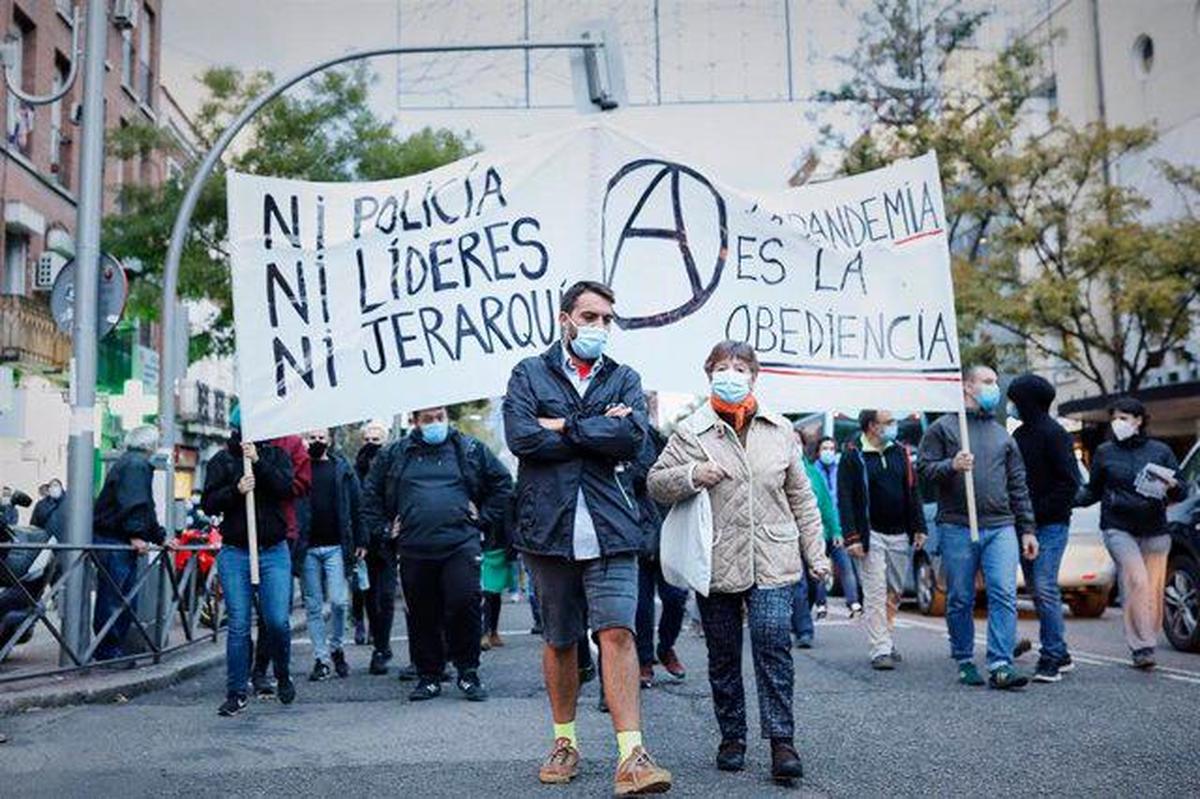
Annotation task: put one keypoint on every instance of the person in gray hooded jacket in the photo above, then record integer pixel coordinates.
(1002, 499)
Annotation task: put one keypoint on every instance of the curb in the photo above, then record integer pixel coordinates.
(110, 688)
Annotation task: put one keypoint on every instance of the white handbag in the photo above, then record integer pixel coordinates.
(686, 542)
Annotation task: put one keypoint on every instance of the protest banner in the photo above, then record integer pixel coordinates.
(355, 300)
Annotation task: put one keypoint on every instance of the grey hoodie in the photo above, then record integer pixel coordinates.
(1001, 494)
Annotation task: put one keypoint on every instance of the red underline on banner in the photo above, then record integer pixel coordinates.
(918, 236)
(862, 376)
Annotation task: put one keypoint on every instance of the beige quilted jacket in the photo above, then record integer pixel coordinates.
(764, 515)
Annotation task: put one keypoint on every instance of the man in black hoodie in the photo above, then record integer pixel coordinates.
(1052, 474)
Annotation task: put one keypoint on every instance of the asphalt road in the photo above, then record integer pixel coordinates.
(1106, 730)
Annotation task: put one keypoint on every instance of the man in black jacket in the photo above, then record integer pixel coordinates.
(1052, 474)
(882, 521)
(436, 491)
(226, 485)
(123, 517)
(329, 545)
(365, 603)
(575, 419)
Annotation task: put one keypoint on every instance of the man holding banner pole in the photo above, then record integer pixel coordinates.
(1006, 531)
(576, 420)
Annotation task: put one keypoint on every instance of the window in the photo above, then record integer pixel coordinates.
(59, 140)
(127, 58)
(1143, 56)
(145, 85)
(16, 258)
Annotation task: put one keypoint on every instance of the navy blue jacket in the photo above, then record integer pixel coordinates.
(1114, 475)
(593, 451)
(352, 533)
(125, 508)
(487, 483)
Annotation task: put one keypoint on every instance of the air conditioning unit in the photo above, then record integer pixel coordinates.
(125, 14)
(48, 265)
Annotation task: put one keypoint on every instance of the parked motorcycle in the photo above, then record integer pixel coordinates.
(31, 569)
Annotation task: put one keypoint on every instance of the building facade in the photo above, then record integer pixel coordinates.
(39, 183)
(1133, 64)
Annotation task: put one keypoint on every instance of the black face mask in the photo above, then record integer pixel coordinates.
(235, 442)
(316, 450)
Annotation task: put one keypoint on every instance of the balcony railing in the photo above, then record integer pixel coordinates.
(28, 334)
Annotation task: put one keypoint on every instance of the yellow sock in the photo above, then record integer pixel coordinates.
(627, 741)
(567, 731)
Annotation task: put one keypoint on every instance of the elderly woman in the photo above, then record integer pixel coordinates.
(765, 525)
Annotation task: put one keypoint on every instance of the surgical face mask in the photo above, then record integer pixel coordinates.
(589, 342)
(890, 431)
(828, 457)
(435, 432)
(316, 450)
(1123, 429)
(55, 492)
(730, 385)
(988, 397)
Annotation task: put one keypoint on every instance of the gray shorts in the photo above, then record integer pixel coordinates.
(577, 594)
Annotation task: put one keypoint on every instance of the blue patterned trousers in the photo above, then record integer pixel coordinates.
(769, 613)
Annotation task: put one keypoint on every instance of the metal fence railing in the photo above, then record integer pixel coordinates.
(186, 606)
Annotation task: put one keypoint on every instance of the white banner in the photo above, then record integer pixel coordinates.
(355, 300)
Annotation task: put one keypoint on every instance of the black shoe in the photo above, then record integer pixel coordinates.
(587, 673)
(408, 673)
(536, 630)
(340, 666)
(264, 686)
(379, 662)
(602, 705)
(232, 705)
(425, 689)
(471, 687)
(360, 633)
(1065, 664)
(883, 663)
(1023, 646)
(1047, 671)
(785, 761)
(731, 755)
(804, 642)
(1144, 659)
(320, 672)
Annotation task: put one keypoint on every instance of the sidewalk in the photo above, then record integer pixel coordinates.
(98, 685)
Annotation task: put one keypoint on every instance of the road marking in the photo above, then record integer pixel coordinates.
(1090, 658)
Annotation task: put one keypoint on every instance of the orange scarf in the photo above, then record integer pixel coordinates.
(737, 414)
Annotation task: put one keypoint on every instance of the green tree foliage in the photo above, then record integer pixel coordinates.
(326, 132)
(1044, 244)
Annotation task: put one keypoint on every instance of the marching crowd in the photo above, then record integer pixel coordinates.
(437, 514)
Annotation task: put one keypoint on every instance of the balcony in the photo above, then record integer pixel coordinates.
(28, 335)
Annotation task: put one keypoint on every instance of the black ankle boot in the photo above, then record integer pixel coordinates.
(731, 756)
(785, 760)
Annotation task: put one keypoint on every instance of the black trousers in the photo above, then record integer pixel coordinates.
(443, 599)
(381, 596)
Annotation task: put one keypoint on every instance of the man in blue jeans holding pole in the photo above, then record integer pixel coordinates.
(994, 464)
(1052, 474)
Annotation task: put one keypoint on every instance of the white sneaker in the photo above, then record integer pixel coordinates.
(822, 611)
(855, 609)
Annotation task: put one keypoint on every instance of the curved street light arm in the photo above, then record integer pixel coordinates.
(76, 57)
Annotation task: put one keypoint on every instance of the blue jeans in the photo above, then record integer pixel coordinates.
(847, 569)
(674, 601)
(1041, 580)
(274, 593)
(121, 566)
(325, 578)
(802, 620)
(997, 553)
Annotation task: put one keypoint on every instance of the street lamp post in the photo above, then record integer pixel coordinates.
(597, 76)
